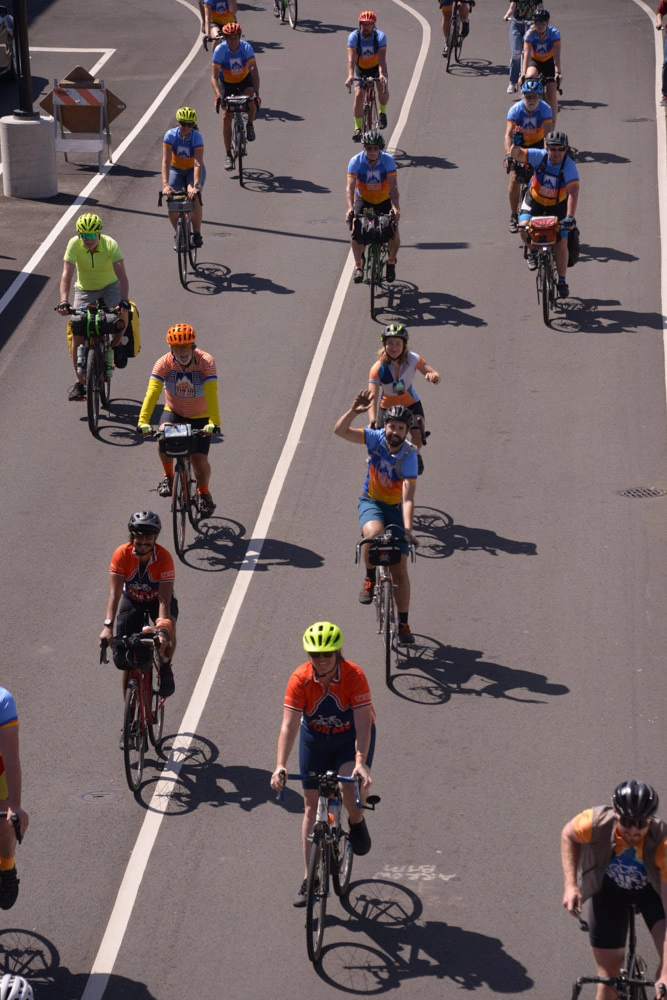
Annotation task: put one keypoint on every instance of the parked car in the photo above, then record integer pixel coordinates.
(7, 57)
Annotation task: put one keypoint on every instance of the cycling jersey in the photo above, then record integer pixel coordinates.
(220, 12)
(94, 268)
(183, 149)
(400, 391)
(367, 48)
(234, 66)
(327, 715)
(372, 182)
(542, 49)
(141, 584)
(531, 123)
(626, 867)
(386, 472)
(551, 184)
(8, 718)
(190, 392)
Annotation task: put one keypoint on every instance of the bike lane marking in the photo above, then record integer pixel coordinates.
(141, 852)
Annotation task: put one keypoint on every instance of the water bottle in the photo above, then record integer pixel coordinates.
(334, 805)
(81, 359)
(108, 360)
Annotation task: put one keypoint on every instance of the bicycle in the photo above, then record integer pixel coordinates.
(95, 357)
(143, 716)
(289, 7)
(186, 250)
(384, 551)
(15, 824)
(179, 441)
(632, 983)
(238, 106)
(370, 109)
(330, 853)
(454, 35)
(543, 232)
(374, 231)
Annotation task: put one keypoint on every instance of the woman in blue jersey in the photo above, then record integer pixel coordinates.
(183, 167)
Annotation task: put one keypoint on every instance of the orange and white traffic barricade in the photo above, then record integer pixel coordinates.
(75, 110)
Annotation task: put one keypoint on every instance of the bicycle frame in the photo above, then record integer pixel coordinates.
(95, 362)
(370, 109)
(631, 984)
(237, 105)
(186, 250)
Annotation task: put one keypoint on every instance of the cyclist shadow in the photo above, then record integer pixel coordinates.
(274, 115)
(575, 104)
(213, 279)
(404, 159)
(439, 537)
(587, 156)
(604, 254)
(263, 181)
(36, 958)
(121, 431)
(319, 27)
(209, 553)
(267, 46)
(404, 301)
(476, 67)
(590, 316)
(447, 670)
(404, 948)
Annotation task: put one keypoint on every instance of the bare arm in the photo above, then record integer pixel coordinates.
(430, 374)
(374, 408)
(198, 171)
(382, 64)
(66, 280)
(408, 505)
(166, 162)
(573, 199)
(9, 748)
(363, 721)
(343, 427)
(662, 978)
(509, 132)
(121, 274)
(288, 732)
(215, 79)
(116, 583)
(393, 194)
(350, 191)
(254, 73)
(557, 66)
(570, 849)
(351, 65)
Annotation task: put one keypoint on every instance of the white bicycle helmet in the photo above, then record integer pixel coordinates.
(15, 988)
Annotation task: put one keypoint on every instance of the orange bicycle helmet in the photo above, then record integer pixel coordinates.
(180, 334)
(232, 28)
(367, 17)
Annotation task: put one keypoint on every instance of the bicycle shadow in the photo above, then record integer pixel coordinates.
(275, 115)
(448, 670)
(266, 47)
(220, 545)
(404, 948)
(121, 430)
(213, 279)
(319, 27)
(264, 182)
(407, 303)
(588, 156)
(604, 255)
(575, 104)
(33, 956)
(439, 537)
(404, 159)
(597, 316)
(476, 67)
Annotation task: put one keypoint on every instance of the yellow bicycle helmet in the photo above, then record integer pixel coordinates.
(322, 637)
(186, 116)
(180, 334)
(90, 224)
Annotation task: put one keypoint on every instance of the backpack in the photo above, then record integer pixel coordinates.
(375, 41)
(573, 246)
(406, 448)
(542, 170)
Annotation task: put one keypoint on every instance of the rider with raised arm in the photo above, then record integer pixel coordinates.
(189, 378)
(97, 262)
(554, 190)
(234, 73)
(520, 15)
(10, 798)
(328, 703)
(616, 857)
(372, 183)
(541, 57)
(183, 167)
(447, 6)
(531, 119)
(367, 57)
(388, 496)
(142, 580)
(390, 381)
(217, 13)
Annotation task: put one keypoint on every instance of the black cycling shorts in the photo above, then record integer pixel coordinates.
(200, 445)
(384, 208)
(237, 89)
(319, 757)
(130, 619)
(608, 913)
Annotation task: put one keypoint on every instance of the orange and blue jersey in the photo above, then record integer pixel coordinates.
(397, 391)
(220, 12)
(8, 718)
(542, 49)
(327, 715)
(552, 183)
(626, 867)
(532, 124)
(183, 149)
(234, 66)
(367, 48)
(142, 584)
(372, 182)
(191, 393)
(386, 472)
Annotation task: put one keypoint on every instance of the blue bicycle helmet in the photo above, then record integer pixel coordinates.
(532, 87)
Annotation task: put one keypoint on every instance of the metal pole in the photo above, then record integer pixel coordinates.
(25, 109)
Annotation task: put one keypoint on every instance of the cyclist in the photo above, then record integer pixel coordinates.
(233, 73)
(554, 190)
(541, 55)
(183, 167)
(367, 57)
(388, 496)
(189, 378)
(372, 183)
(447, 6)
(328, 702)
(100, 274)
(520, 15)
(390, 383)
(10, 798)
(142, 580)
(616, 856)
(531, 118)
(217, 13)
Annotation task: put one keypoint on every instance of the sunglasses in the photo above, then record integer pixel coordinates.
(88, 236)
(315, 656)
(628, 821)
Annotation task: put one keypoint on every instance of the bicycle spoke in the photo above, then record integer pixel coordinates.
(179, 507)
(292, 11)
(134, 738)
(341, 867)
(317, 888)
(181, 243)
(93, 389)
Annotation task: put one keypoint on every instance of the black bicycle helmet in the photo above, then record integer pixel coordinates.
(556, 138)
(636, 799)
(145, 522)
(541, 15)
(394, 330)
(401, 413)
(373, 138)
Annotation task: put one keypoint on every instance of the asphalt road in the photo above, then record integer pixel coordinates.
(537, 682)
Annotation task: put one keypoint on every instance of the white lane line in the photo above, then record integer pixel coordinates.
(80, 200)
(129, 887)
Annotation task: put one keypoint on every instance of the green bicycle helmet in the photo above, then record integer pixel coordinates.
(322, 637)
(89, 224)
(186, 116)
(373, 138)
(394, 330)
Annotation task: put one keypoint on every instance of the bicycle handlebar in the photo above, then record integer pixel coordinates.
(385, 537)
(148, 638)
(178, 196)
(331, 778)
(15, 823)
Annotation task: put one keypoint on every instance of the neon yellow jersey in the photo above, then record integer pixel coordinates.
(94, 269)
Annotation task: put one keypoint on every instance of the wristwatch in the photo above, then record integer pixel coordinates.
(108, 622)
(197, 187)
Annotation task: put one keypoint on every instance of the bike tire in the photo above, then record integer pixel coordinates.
(545, 289)
(156, 728)
(239, 142)
(451, 40)
(458, 44)
(341, 868)
(293, 12)
(182, 245)
(179, 509)
(374, 269)
(134, 738)
(387, 628)
(192, 497)
(316, 895)
(93, 390)
(192, 250)
(105, 390)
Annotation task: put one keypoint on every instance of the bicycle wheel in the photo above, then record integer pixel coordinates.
(93, 389)
(341, 867)
(182, 244)
(452, 38)
(387, 627)
(545, 290)
(192, 498)
(105, 385)
(134, 738)
(638, 971)
(292, 11)
(179, 509)
(157, 704)
(375, 269)
(239, 142)
(458, 44)
(317, 889)
(192, 249)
